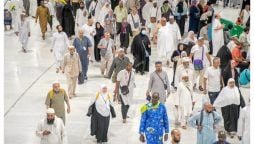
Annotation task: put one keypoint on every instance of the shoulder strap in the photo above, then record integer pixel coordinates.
(129, 79)
(201, 117)
(245, 73)
(132, 19)
(160, 78)
(202, 53)
(190, 92)
(97, 96)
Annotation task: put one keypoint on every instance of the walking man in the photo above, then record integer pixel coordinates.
(23, 31)
(43, 14)
(125, 79)
(107, 53)
(159, 82)
(72, 67)
(205, 122)
(56, 98)
(83, 47)
(154, 124)
(51, 130)
(214, 78)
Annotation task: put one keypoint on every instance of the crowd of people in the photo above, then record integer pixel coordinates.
(209, 60)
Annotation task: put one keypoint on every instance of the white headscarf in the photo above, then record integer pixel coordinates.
(102, 104)
(228, 96)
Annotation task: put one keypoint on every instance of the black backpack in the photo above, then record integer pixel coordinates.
(180, 7)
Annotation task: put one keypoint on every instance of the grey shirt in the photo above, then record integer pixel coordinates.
(117, 65)
(110, 46)
(156, 84)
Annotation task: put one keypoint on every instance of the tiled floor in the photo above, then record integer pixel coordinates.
(28, 78)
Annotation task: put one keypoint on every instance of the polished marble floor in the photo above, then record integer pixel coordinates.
(28, 77)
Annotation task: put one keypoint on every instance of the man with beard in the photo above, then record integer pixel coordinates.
(141, 50)
(205, 121)
(56, 99)
(59, 47)
(42, 13)
(68, 22)
(175, 136)
(51, 130)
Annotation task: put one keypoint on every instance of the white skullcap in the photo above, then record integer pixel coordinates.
(23, 13)
(184, 75)
(71, 47)
(200, 38)
(120, 49)
(55, 82)
(50, 111)
(234, 36)
(231, 80)
(171, 17)
(186, 59)
(154, 1)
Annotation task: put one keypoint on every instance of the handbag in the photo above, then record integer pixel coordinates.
(164, 84)
(80, 78)
(136, 24)
(198, 63)
(124, 89)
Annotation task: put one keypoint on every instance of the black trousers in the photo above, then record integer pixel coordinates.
(124, 108)
(181, 24)
(213, 96)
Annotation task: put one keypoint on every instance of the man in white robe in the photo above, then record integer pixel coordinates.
(59, 47)
(165, 41)
(145, 13)
(217, 34)
(96, 7)
(154, 15)
(183, 101)
(51, 130)
(174, 31)
(16, 7)
(81, 16)
(126, 77)
(33, 7)
(23, 31)
(243, 130)
(175, 34)
(185, 67)
(89, 31)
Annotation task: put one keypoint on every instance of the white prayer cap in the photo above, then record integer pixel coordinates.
(186, 59)
(50, 111)
(171, 17)
(231, 80)
(200, 38)
(120, 50)
(154, 1)
(184, 75)
(55, 82)
(103, 86)
(71, 47)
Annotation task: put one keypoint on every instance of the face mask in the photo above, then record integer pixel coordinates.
(143, 32)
